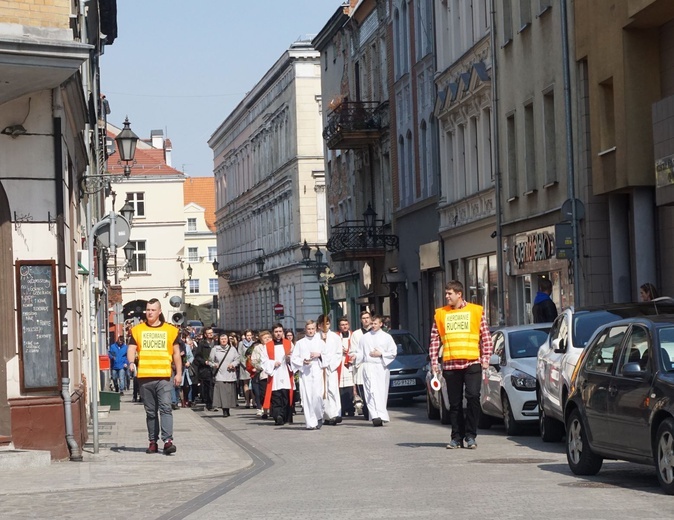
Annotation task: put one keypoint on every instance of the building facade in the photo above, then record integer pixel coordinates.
(201, 248)
(355, 47)
(50, 140)
(625, 52)
(270, 196)
(463, 107)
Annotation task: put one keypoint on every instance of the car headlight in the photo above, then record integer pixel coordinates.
(522, 380)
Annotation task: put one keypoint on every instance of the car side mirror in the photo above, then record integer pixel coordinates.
(495, 361)
(633, 370)
(558, 346)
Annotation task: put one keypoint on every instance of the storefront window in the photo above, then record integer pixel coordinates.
(481, 285)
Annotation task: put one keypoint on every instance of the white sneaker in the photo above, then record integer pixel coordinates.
(259, 413)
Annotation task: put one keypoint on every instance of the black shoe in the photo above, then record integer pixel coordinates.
(121, 393)
(377, 422)
(152, 448)
(225, 412)
(169, 447)
(264, 416)
(174, 406)
(134, 400)
(279, 421)
(337, 420)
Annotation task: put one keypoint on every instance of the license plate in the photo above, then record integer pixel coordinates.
(403, 382)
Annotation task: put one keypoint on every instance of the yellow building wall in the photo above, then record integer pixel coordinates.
(36, 13)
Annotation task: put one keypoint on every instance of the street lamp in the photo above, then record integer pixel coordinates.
(370, 216)
(189, 272)
(127, 211)
(216, 265)
(126, 144)
(318, 263)
(129, 250)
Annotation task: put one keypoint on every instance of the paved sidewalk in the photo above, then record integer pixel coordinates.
(202, 452)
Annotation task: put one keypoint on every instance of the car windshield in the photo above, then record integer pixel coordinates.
(525, 343)
(407, 345)
(584, 325)
(667, 348)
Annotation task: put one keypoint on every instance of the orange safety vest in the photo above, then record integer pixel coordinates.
(459, 331)
(154, 346)
(287, 347)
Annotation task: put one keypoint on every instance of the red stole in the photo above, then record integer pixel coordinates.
(345, 357)
(287, 346)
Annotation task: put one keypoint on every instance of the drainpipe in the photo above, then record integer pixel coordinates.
(571, 187)
(496, 168)
(75, 451)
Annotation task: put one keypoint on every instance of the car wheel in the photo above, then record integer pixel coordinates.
(431, 411)
(484, 422)
(444, 411)
(664, 455)
(551, 430)
(582, 460)
(512, 427)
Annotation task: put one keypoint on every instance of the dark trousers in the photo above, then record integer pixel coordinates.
(346, 398)
(280, 405)
(361, 393)
(207, 392)
(259, 387)
(468, 380)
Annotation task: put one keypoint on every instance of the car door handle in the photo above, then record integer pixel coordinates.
(612, 390)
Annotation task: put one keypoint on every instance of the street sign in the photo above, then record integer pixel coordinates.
(122, 232)
(278, 309)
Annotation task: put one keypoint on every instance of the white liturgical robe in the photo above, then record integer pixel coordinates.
(330, 362)
(375, 370)
(281, 374)
(311, 378)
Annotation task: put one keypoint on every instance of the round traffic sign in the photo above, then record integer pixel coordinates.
(278, 309)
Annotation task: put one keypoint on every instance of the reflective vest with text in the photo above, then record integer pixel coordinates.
(459, 331)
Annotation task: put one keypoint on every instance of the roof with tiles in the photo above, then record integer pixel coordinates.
(149, 160)
(201, 191)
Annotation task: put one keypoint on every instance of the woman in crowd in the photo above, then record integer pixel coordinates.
(259, 379)
(245, 349)
(224, 360)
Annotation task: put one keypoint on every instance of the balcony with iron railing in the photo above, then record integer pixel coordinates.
(353, 124)
(361, 239)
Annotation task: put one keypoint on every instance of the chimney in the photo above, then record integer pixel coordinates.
(157, 138)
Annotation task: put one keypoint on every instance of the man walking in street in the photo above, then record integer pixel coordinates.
(366, 324)
(119, 363)
(155, 342)
(204, 368)
(461, 329)
(275, 361)
(306, 359)
(376, 351)
(331, 361)
(345, 371)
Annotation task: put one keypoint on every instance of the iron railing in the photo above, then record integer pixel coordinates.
(352, 116)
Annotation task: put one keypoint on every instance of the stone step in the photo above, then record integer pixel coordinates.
(103, 411)
(12, 458)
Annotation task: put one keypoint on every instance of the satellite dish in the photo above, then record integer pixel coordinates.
(175, 301)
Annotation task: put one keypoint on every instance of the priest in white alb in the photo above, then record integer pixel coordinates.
(376, 351)
(306, 360)
(331, 361)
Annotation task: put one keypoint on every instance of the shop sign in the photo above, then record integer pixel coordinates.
(534, 247)
(664, 171)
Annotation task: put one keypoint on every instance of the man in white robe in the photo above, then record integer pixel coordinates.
(376, 350)
(306, 359)
(366, 325)
(331, 360)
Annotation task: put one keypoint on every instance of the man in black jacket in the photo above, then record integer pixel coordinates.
(544, 309)
(203, 366)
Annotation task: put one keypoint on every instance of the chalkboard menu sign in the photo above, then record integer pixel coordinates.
(38, 325)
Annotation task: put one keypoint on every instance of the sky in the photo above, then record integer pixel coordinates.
(182, 66)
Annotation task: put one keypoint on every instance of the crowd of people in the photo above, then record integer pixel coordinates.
(326, 375)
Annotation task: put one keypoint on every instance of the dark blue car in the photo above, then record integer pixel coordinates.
(408, 370)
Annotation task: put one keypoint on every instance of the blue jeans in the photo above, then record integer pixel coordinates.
(119, 378)
(156, 396)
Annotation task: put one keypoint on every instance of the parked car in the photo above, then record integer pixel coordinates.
(509, 390)
(408, 370)
(558, 356)
(621, 404)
